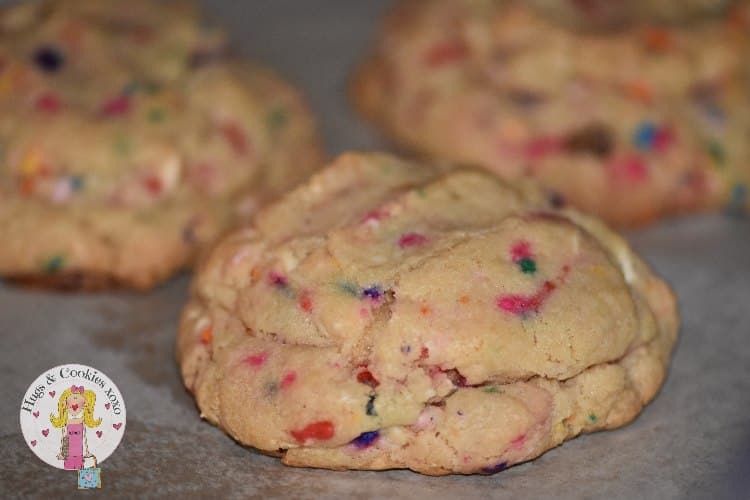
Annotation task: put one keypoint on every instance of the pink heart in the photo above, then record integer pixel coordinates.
(99, 433)
(36, 414)
(52, 394)
(33, 443)
(117, 426)
(106, 406)
(75, 407)
(45, 432)
(88, 477)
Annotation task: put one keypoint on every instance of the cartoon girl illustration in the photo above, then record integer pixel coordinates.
(75, 413)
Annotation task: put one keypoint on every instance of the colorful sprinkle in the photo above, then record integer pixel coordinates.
(520, 251)
(640, 91)
(321, 431)
(49, 59)
(592, 418)
(518, 442)
(366, 439)
(464, 299)
(411, 240)
(48, 103)
(277, 280)
(528, 266)
(256, 360)
(116, 106)
(54, 264)
(631, 168)
(367, 378)
(370, 407)
(288, 379)
(496, 468)
(525, 304)
(424, 353)
(305, 302)
(349, 288)
(207, 335)
(491, 389)
(658, 39)
(446, 53)
(649, 137)
(236, 138)
(277, 118)
(153, 184)
(373, 292)
(540, 147)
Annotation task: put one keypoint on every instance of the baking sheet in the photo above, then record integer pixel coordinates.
(693, 441)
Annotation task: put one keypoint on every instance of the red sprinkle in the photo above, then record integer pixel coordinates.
(207, 335)
(365, 377)
(518, 442)
(288, 379)
(424, 353)
(664, 138)
(446, 53)
(277, 279)
(153, 184)
(411, 240)
(236, 138)
(520, 251)
(321, 430)
(117, 106)
(256, 360)
(305, 302)
(48, 103)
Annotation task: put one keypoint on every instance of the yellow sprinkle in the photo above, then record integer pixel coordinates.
(31, 163)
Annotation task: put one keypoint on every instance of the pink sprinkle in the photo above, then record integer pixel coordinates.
(236, 138)
(256, 360)
(364, 312)
(520, 251)
(517, 443)
(542, 146)
(276, 279)
(48, 103)
(288, 379)
(411, 240)
(117, 106)
(524, 304)
(632, 169)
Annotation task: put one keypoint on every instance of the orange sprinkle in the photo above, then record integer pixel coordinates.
(207, 335)
(425, 310)
(27, 185)
(464, 299)
(255, 273)
(305, 302)
(640, 91)
(658, 39)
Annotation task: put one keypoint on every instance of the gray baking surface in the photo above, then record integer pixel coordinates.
(693, 441)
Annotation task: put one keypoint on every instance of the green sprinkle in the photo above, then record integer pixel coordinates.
(349, 288)
(123, 145)
(156, 115)
(54, 264)
(491, 389)
(277, 118)
(370, 408)
(592, 418)
(528, 266)
(421, 192)
(718, 155)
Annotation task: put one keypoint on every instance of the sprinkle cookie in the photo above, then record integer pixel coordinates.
(391, 315)
(632, 124)
(130, 137)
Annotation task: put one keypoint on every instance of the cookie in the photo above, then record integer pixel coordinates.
(394, 315)
(131, 137)
(632, 124)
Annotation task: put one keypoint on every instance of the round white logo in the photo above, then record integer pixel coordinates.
(73, 417)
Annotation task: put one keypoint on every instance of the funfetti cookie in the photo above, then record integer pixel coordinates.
(130, 138)
(391, 315)
(632, 124)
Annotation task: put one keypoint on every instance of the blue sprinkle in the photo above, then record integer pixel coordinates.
(497, 468)
(644, 136)
(366, 439)
(374, 292)
(76, 182)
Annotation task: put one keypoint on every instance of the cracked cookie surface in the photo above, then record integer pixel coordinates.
(632, 124)
(393, 315)
(131, 137)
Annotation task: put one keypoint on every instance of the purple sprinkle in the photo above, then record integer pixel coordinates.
(374, 292)
(277, 279)
(406, 349)
(366, 439)
(497, 468)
